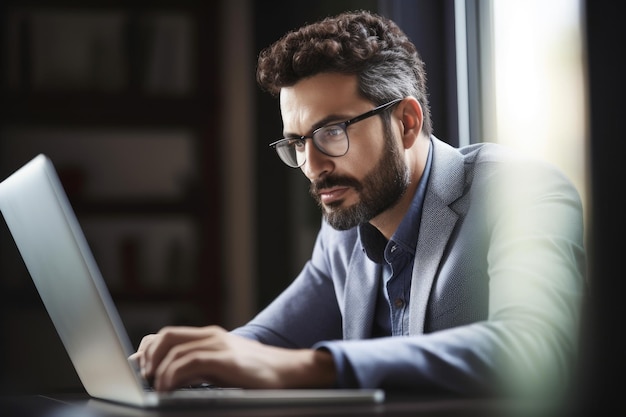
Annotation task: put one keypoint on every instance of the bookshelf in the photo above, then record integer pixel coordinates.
(123, 97)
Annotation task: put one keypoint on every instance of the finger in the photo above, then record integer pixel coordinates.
(197, 359)
(166, 340)
(137, 358)
(139, 355)
(145, 342)
(187, 368)
(178, 355)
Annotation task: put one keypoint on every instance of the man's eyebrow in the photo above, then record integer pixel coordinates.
(328, 120)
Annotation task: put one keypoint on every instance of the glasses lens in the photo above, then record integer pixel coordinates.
(331, 140)
(291, 152)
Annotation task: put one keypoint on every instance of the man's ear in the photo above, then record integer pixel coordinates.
(411, 120)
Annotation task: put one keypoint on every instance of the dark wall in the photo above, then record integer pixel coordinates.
(430, 26)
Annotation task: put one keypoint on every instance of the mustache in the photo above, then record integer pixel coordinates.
(334, 181)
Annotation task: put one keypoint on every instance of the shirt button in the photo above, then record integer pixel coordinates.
(398, 303)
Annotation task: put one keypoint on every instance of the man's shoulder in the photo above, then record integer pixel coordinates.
(448, 158)
(495, 157)
(490, 163)
(519, 175)
(490, 152)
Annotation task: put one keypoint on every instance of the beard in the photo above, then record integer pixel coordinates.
(380, 189)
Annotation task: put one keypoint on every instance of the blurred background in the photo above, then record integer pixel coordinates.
(151, 114)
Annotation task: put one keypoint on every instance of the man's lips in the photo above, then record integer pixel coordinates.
(330, 195)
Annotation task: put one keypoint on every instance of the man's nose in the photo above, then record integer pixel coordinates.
(316, 163)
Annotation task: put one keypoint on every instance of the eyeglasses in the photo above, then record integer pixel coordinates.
(331, 140)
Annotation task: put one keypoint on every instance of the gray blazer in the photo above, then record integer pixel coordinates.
(496, 287)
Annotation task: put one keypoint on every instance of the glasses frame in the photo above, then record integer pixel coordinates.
(343, 125)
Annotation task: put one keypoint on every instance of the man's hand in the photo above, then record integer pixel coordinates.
(179, 356)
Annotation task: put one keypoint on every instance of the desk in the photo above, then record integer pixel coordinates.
(80, 405)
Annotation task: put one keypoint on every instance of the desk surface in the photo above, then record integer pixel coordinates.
(75, 405)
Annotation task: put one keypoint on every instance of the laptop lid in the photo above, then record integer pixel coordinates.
(61, 264)
(57, 256)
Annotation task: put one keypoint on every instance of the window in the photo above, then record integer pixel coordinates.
(521, 80)
(539, 83)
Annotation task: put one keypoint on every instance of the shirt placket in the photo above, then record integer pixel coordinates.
(396, 294)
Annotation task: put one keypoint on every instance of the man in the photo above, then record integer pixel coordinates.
(435, 268)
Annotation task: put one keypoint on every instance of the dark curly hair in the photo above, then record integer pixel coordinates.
(362, 43)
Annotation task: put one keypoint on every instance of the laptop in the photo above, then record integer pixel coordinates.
(52, 244)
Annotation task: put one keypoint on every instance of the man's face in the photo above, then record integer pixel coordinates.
(371, 177)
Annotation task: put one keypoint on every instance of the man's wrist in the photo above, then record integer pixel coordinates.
(314, 369)
(325, 365)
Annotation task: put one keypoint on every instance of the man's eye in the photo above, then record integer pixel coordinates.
(330, 133)
(296, 143)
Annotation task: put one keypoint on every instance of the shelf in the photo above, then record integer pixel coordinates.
(123, 97)
(97, 109)
(144, 207)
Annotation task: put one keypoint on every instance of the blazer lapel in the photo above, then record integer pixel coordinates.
(446, 185)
